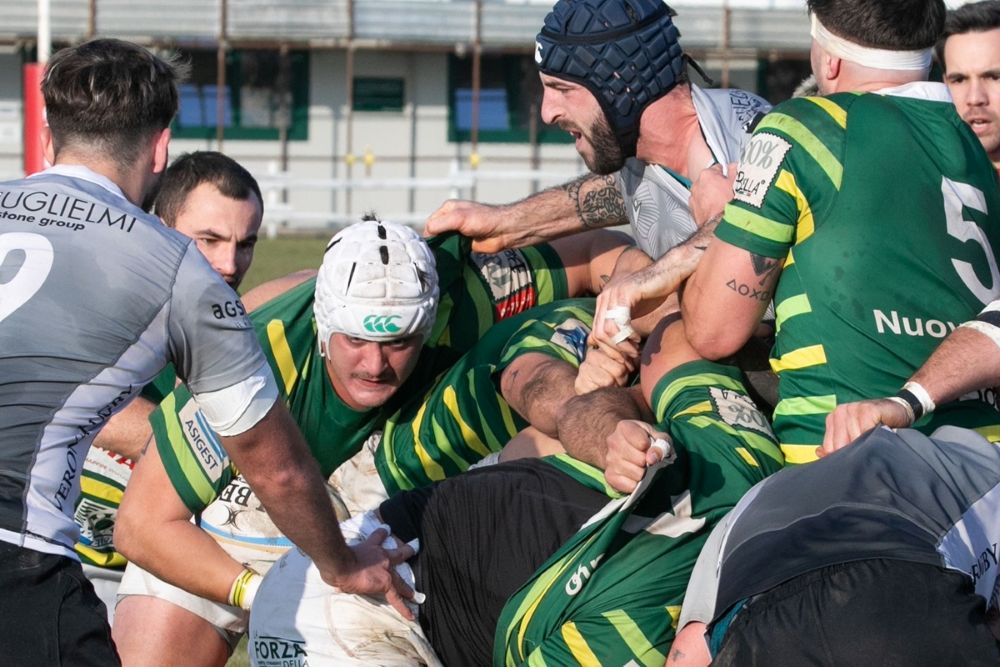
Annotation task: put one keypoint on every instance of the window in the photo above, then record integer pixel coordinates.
(371, 94)
(510, 100)
(262, 93)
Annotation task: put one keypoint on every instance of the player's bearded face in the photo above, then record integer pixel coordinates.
(365, 374)
(606, 157)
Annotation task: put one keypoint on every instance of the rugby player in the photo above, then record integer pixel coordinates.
(869, 265)
(615, 77)
(78, 339)
(350, 348)
(212, 199)
(969, 53)
(910, 580)
(509, 575)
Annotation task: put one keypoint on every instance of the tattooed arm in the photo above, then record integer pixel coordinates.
(726, 297)
(588, 202)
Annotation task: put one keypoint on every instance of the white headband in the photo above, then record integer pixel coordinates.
(866, 56)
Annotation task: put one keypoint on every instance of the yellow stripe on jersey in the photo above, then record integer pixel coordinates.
(97, 489)
(834, 110)
(430, 466)
(757, 442)
(480, 299)
(790, 307)
(700, 380)
(111, 559)
(799, 454)
(758, 224)
(634, 638)
(806, 405)
(675, 614)
(806, 226)
(283, 354)
(991, 432)
(747, 457)
(577, 645)
(696, 409)
(541, 274)
(468, 434)
(808, 141)
(804, 357)
(190, 467)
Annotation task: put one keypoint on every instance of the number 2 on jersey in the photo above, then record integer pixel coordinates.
(21, 277)
(957, 195)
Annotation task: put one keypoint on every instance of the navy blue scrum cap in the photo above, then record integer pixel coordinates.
(624, 51)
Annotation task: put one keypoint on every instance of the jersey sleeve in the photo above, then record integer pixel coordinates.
(561, 333)
(794, 149)
(195, 462)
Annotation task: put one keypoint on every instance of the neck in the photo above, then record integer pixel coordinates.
(670, 135)
(132, 183)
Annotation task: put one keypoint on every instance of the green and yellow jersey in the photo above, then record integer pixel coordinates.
(476, 292)
(464, 417)
(883, 208)
(613, 593)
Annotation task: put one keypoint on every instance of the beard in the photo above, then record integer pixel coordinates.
(608, 156)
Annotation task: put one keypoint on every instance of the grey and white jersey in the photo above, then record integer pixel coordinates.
(656, 201)
(893, 495)
(96, 296)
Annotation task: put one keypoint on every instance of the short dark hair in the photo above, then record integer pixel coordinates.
(974, 17)
(109, 95)
(191, 170)
(894, 25)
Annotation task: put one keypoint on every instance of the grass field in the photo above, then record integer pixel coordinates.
(277, 257)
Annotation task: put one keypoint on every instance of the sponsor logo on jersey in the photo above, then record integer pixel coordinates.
(739, 411)
(580, 577)
(21, 206)
(572, 336)
(97, 524)
(381, 324)
(202, 441)
(910, 326)
(232, 310)
(759, 165)
(509, 280)
(271, 651)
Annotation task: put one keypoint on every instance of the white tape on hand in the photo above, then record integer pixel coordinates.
(622, 317)
(663, 447)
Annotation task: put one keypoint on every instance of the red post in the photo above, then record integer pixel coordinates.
(34, 112)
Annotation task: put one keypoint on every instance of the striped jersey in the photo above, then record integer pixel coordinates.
(883, 207)
(476, 291)
(465, 417)
(612, 594)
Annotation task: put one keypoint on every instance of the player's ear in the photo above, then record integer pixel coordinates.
(161, 155)
(48, 148)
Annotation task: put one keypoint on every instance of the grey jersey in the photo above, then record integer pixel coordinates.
(900, 496)
(96, 297)
(656, 201)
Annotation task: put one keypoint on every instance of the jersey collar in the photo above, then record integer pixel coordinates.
(83, 173)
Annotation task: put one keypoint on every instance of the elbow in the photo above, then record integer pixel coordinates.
(712, 344)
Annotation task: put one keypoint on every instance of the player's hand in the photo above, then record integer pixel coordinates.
(374, 572)
(630, 451)
(616, 304)
(849, 421)
(603, 367)
(480, 222)
(711, 190)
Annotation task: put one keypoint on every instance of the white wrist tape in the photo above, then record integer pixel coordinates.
(925, 399)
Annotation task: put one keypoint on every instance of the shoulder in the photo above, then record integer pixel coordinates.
(267, 292)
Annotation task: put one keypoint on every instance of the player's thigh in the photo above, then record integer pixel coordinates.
(153, 632)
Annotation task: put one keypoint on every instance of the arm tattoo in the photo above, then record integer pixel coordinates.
(763, 266)
(601, 205)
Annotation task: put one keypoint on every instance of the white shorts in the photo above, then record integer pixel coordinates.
(229, 622)
(299, 619)
(357, 482)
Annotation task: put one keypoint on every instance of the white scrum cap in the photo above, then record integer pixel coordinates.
(378, 282)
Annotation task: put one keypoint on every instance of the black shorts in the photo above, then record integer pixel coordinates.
(884, 613)
(483, 534)
(49, 613)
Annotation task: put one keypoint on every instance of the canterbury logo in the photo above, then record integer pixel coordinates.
(381, 324)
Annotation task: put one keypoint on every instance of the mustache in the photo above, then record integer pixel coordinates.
(387, 376)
